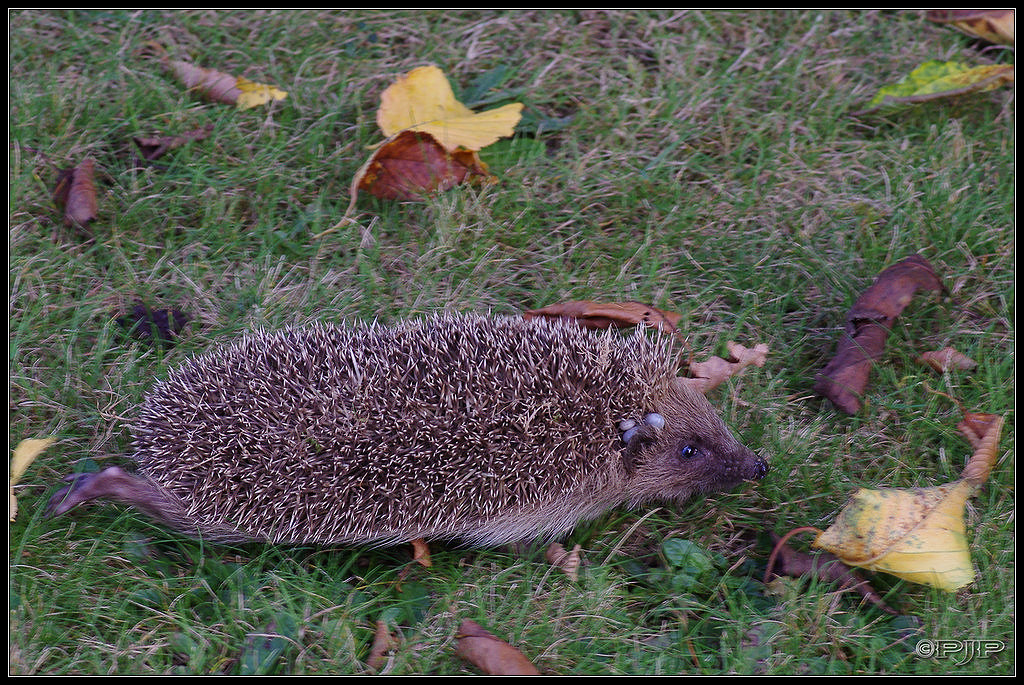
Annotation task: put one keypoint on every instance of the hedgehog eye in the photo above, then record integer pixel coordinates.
(687, 452)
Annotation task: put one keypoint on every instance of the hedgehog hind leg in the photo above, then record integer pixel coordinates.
(113, 483)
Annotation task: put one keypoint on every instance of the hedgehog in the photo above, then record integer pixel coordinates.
(478, 428)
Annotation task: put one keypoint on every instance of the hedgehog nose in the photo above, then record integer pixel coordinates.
(760, 469)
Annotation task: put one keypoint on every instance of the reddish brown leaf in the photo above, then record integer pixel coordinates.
(946, 359)
(383, 642)
(75, 194)
(982, 431)
(212, 84)
(868, 323)
(413, 165)
(154, 147)
(602, 315)
(490, 654)
(154, 326)
(786, 561)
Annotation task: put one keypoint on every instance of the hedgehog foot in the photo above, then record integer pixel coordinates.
(112, 483)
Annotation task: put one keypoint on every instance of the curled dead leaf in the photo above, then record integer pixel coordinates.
(567, 561)
(421, 552)
(985, 443)
(976, 426)
(947, 359)
(154, 147)
(715, 371)
(845, 377)
(823, 566)
(383, 642)
(489, 653)
(220, 87)
(153, 326)
(75, 194)
(601, 315)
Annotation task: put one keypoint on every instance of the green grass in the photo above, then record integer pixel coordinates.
(710, 168)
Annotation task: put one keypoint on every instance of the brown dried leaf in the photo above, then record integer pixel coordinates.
(75, 194)
(995, 26)
(601, 315)
(220, 87)
(825, 566)
(715, 371)
(153, 326)
(210, 83)
(982, 431)
(155, 147)
(383, 642)
(421, 552)
(868, 323)
(489, 653)
(412, 165)
(947, 359)
(567, 561)
(976, 426)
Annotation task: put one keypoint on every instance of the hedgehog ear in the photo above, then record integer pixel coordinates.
(631, 453)
(686, 385)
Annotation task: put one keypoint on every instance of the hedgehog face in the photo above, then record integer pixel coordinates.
(686, 449)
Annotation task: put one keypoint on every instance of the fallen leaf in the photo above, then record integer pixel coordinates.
(566, 561)
(489, 653)
(254, 94)
(24, 454)
(383, 642)
(823, 566)
(934, 80)
(947, 359)
(868, 323)
(422, 100)
(601, 315)
(75, 194)
(421, 552)
(225, 88)
(153, 325)
(711, 373)
(986, 446)
(154, 147)
(995, 26)
(917, 534)
(976, 426)
(412, 166)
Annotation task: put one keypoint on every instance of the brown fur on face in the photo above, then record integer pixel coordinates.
(694, 453)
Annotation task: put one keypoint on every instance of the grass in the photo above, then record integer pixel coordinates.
(710, 167)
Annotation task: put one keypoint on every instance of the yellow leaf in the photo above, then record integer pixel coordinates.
(934, 80)
(24, 454)
(917, 535)
(220, 87)
(423, 100)
(254, 94)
